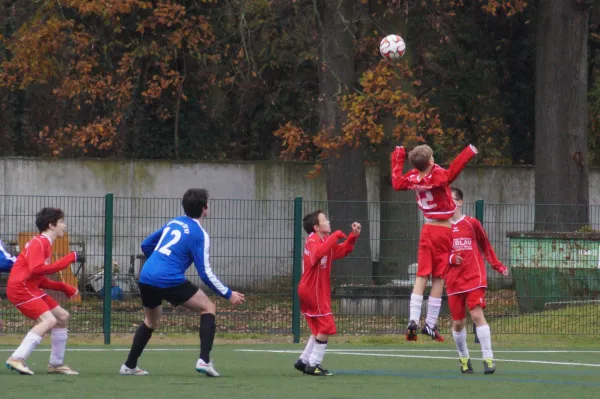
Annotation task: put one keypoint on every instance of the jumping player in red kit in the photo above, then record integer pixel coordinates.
(431, 184)
(466, 283)
(25, 289)
(314, 289)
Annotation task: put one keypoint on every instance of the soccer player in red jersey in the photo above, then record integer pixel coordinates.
(431, 184)
(25, 289)
(314, 289)
(466, 284)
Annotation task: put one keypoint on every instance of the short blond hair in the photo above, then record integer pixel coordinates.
(420, 156)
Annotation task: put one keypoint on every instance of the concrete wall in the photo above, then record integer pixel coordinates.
(252, 239)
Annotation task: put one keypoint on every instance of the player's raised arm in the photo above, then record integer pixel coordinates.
(399, 181)
(151, 241)
(201, 261)
(486, 248)
(459, 163)
(317, 250)
(343, 249)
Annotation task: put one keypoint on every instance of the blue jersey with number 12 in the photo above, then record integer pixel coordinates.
(172, 249)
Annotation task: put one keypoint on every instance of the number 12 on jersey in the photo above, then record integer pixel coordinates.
(175, 237)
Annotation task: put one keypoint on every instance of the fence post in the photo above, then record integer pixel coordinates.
(297, 265)
(479, 216)
(108, 239)
(479, 210)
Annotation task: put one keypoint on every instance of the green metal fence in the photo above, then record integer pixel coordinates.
(256, 248)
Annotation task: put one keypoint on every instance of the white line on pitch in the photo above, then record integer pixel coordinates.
(430, 357)
(112, 350)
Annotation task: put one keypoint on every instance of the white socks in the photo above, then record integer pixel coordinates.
(485, 338)
(305, 356)
(433, 311)
(461, 342)
(59, 344)
(27, 346)
(416, 302)
(317, 355)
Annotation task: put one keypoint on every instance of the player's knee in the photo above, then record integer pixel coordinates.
(63, 318)
(478, 318)
(210, 307)
(151, 324)
(458, 325)
(50, 322)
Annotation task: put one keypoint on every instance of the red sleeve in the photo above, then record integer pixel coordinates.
(399, 181)
(36, 259)
(343, 249)
(316, 249)
(48, 284)
(460, 162)
(486, 247)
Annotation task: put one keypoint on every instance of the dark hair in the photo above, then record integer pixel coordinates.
(195, 200)
(310, 221)
(47, 217)
(457, 192)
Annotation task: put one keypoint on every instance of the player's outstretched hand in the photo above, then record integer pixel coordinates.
(458, 260)
(505, 272)
(70, 291)
(237, 298)
(356, 228)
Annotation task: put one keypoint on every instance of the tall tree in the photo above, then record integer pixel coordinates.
(344, 173)
(561, 116)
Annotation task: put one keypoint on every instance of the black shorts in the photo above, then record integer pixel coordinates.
(153, 296)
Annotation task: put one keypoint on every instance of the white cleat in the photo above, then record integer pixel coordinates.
(206, 368)
(61, 369)
(136, 371)
(18, 365)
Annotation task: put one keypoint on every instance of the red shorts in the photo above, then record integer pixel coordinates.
(321, 325)
(435, 246)
(34, 308)
(458, 302)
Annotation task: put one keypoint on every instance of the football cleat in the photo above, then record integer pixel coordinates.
(61, 369)
(489, 367)
(317, 371)
(300, 365)
(206, 368)
(465, 365)
(411, 331)
(136, 371)
(432, 332)
(18, 365)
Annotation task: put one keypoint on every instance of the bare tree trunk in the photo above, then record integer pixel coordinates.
(561, 115)
(345, 175)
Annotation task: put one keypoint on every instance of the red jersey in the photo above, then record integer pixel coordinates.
(28, 275)
(314, 289)
(433, 190)
(470, 241)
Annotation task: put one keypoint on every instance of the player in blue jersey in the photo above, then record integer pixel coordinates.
(170, 251)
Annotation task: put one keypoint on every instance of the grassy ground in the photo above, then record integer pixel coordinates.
(364, 367)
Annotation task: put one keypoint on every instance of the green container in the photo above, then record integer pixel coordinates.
(554, 269)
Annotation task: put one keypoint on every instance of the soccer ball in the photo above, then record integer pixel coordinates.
(392, 47)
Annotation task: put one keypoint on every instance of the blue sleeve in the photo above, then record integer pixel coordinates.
(151, 241)
(6, 259)
(205, 272)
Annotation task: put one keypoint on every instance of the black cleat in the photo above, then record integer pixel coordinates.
(465, 365)
(489, 367)
(300, 365)
(317, 370)
(411, 331)
(432, 332)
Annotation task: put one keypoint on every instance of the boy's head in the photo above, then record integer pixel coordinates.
(316, 222)
(195, 203)
(421, 157)
(51, 219)
(457, 196)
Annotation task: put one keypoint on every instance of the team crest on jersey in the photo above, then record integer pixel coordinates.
(324, 262)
